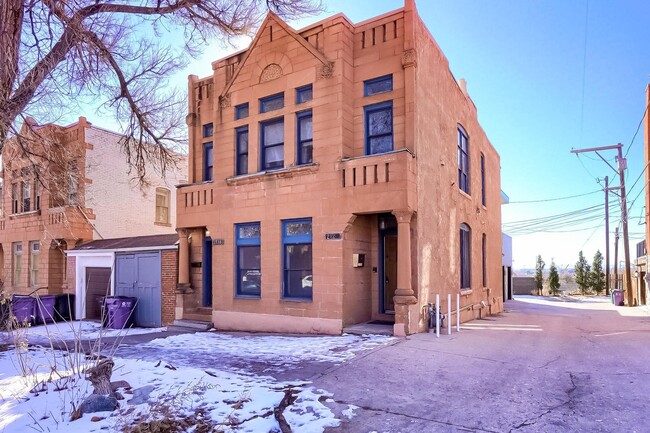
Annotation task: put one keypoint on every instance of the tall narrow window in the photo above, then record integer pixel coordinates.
(248, 260)
(484, 258)
(208, 130)
(207, 161)
(241, 159)
(17, 254)
(297, 259)
(34, 250)
(73, 183)
(37, 194)
(305, 143)
(379, 128)
(463, 160)
(162, 205)
(465, 257)
(272, 144)
(15, 198)
(27, 200)
(483, 199)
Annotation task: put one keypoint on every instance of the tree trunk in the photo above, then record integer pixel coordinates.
(100, 377)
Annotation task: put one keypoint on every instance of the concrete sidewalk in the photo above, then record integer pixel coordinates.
(543, 365)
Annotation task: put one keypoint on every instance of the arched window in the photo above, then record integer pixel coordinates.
(162, 205)
(465, 257)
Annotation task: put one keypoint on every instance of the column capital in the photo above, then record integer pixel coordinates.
(403, 215)
(183, 233)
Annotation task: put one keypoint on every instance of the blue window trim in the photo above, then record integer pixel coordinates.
(301, 90)
(299, 141)
(293, 240)
(262, 146)
(240, 242)
(239, 111)
(483, 186)
(238, 154)
(269, 99)
(463, 186)
(366, 83)
(206, 127)
(465, 257)
(371, 109)
(207, 163)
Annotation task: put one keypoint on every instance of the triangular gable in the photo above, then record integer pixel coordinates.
(273, 18)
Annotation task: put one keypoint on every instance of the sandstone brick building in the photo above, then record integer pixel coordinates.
(337, 175)
(74, 187)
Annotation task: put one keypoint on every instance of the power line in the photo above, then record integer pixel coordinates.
(554, 199)
(637, 130)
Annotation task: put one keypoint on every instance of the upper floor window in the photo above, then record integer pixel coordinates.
(162, 205)
(304, 94)
(241, 158)
(378, 85)
(483, 197)
(73, 183)
(241, 111)
(297, 259)
(272, 144)
(304, 138)
(15, 198)
(207, 161)
(34, 251)
(27, 199)
(463, 160)
(208, 130)
(465, 256)
(273, 102)
(37, 194)
(379, 128)
(248, 259)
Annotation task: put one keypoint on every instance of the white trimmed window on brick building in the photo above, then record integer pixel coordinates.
(17, 255)
(162, 205)
(34, 251)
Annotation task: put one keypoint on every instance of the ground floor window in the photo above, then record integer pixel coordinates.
(34, 251)
(17, 254)
(465, 256)
(248, 260)
(297, 259)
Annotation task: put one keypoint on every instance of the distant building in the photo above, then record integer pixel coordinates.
(641, 277)
(337, 175)
(68, 186)
(506, 261)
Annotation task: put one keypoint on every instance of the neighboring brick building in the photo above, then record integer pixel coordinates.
(337, 174)
(74, 188)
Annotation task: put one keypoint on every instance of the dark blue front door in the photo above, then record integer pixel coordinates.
(207, 272)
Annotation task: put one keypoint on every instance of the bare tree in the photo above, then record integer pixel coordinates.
(57, 53)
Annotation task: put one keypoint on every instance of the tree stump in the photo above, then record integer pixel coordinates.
(100, 377)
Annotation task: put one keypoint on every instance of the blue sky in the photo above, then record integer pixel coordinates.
(547, 77)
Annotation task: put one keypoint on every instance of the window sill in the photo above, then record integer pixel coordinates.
(25, 214)
(299, 300)
(253, 297)
(273, 174)
(157, 223)
(466, 292)
(464, 194)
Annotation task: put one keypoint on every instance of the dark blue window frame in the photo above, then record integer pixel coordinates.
(241, 155)
(266, 103)
(463, 160)
(304, 94)
(264, 146)
(241, 111)
(367, 111)
(374, 85)
(483, 192)
(208, 130)
(296, 240)
(208, 161)
(465, 257)
(248, 243)
(305, 145)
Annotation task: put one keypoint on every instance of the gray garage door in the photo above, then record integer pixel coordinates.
(138, 275)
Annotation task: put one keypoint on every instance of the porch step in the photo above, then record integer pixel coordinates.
(369, 328)
(189, 325)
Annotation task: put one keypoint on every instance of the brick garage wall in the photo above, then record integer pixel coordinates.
(169, 278)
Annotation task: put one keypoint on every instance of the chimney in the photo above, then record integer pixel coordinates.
(463, 86)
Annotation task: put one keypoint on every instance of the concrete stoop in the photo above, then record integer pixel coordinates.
(189, 325)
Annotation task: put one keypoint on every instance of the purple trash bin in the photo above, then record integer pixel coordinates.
(617, 296)
(120, 311)
(22, 308)
(45, 308)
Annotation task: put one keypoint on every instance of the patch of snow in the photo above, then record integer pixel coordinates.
(349, 412)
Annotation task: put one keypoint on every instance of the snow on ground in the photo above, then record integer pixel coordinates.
(68, 331)
(603, 303)
(277, 353)
(242, 402)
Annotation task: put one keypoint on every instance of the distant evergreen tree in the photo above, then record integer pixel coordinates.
(597, 274)
(553, 279)
(582, 273)
(539, 274)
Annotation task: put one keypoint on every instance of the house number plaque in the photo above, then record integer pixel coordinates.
(333, 236)
(218, 242)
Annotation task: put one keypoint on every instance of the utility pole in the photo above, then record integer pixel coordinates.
(607, 235)
(622, 165)
(616, 259)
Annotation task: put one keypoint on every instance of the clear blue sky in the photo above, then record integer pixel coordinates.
(546, 76)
